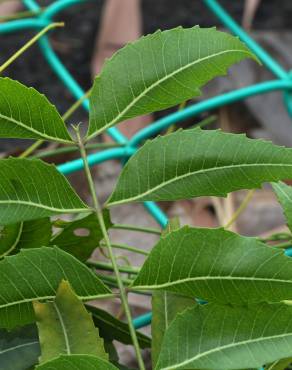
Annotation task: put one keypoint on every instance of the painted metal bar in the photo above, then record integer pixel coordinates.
(205, 105)
(23, 24)
(261, 53)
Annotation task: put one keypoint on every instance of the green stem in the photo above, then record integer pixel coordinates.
(277, 236)
(76, 105)
(70, 149)
(283, 245)
(108, 267)
(240, 209)
(148, 230)
(29, 44)
(31, 149)
(113, 279)
(128, 248)
(100, 218)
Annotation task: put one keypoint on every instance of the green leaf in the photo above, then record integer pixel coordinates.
(217, 265)
(194, 163)
(110, 328)
(279, 364)
(80, 362)
(35, 274)
(225, 337)
(27, 114)
(31, 189)
(28, 234)
(165, 307)
(159, 71)
(82, 236)
(66, 328)
(19, 349)
(284, 195)
(35, 233)
(9, 238)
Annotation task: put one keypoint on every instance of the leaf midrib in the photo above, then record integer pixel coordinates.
(31, 129)
(37, 205)
(149, 88)
(191, 279)
(231, 345)
(10, 349)
(177, 178)
(63, 326)
(50, 297)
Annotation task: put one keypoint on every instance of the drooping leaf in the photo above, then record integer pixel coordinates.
(31, 189)
(19, 349)
(82, 236)
(165, 307)
(217, 265)
(226, 337)
(284, 195)
(66, 328)
(194, 163)
(110, 328)
(35, 274)
(27, 114)
(159, 71)
(9, 238)
(80, 362)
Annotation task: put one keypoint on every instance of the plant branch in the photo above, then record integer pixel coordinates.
(148, 230)
(29, 44)
(240, 209)
(108, 267)
(70, 149)
(128, 248)
(100, 218)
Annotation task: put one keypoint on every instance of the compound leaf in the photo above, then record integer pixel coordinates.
(19, 349)
(225, 337)
(27, 114)
(159, 71)
(66, 328)
(80, 362)
(35, 274)
(194, 163)
(217, 265)
(31, 189)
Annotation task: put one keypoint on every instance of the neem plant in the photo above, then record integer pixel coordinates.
(45, 277)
